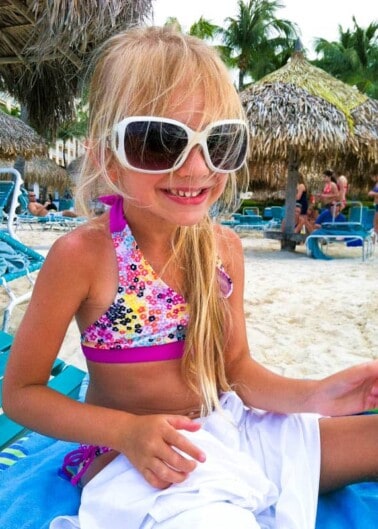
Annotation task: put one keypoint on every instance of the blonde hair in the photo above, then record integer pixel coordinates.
(142, 71)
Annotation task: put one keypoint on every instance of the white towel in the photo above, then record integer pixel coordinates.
(250, 479)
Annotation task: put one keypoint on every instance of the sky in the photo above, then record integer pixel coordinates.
(317, 18)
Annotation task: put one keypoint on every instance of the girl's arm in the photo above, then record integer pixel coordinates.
(349, 391)
(63, 284)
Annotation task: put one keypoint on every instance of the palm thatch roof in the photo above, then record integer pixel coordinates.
(18, 139)
(302, 117)
(302, 111)
(45, 46)
(45, 172)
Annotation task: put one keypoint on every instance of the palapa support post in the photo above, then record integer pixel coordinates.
(287, 242)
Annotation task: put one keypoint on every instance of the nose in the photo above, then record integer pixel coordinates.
(195, 164)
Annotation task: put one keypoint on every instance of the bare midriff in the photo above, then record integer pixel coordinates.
(141, 389)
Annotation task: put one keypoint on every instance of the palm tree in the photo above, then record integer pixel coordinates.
(204, 29)
(353, 58)
(256, 42)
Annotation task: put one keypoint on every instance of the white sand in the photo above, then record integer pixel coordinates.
(305, 318)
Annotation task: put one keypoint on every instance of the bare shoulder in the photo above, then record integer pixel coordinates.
(82, 244)
(230, 248)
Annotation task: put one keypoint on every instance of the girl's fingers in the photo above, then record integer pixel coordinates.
(181, 443)
(163, 475)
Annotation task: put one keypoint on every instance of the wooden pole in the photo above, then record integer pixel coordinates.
(290, 200)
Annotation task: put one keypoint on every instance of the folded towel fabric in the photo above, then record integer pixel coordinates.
(10, 260)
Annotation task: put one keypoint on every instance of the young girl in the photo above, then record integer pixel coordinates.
(172, 430)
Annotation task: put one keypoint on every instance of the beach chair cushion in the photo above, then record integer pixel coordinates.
(349, 233)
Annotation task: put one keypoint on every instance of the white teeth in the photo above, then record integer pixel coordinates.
(186, 194)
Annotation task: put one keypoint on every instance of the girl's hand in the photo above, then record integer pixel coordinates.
(152, 444)
(350, 391)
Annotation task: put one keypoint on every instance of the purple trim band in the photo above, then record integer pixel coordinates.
(154, 353)
(117, 218)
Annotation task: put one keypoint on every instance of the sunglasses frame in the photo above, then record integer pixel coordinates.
(194, 138)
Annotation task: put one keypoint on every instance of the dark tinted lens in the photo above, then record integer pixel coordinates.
(154, 146)
(227, 145)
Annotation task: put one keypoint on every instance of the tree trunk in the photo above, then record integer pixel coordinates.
(241, 80)
(290, 199)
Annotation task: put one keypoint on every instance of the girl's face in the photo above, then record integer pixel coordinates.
(179, 198)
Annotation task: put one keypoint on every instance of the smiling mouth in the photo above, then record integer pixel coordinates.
(185, 193)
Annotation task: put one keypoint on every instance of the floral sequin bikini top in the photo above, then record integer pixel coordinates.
(147, 320)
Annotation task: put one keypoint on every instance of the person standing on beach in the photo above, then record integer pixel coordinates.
(301, 196)
(374, 194)
(342, 186)
(330, 191)
(176, 403)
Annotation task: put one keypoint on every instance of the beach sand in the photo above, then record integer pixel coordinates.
(305, 318)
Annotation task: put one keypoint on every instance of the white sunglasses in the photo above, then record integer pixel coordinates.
(149, 144)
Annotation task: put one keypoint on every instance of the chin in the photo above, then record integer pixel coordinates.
(190, 220)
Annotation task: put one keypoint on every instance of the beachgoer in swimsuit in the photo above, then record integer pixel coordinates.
(301, 196)
(330, 192)
(342, 186)
(40, 210)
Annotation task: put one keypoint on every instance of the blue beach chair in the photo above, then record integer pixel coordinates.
(357, 231)
(16, 261)
(250, 222)
(11, 192)
(6, 190)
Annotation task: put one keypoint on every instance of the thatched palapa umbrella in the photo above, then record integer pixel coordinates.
(44, 50)
(18, 139)
(300, 116)
(48, 173)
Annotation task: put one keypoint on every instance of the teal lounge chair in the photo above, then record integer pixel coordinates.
(250, 222)
(16, 261)
(357, 231)
(13, 189)
(6, 190)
